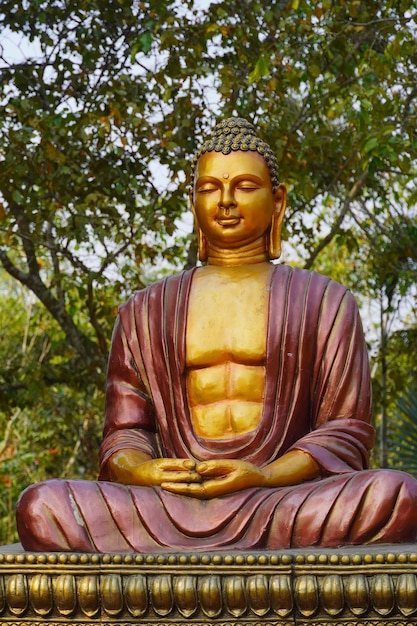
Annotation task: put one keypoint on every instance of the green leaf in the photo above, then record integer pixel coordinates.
(261, 70)
(314, 70)
(17, 196)
(142, 44)
(370, 144)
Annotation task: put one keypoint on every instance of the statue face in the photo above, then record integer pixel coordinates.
(232, 200)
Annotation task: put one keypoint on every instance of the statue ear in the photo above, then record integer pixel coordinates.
(202, 245)
(201, 239)
(274, 239)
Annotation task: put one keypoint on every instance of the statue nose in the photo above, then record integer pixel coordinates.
(228, 210)
(227, 202)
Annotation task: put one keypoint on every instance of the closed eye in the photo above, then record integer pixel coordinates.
(206, 190)
(247, 187)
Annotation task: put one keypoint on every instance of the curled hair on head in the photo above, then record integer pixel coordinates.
(232, 135)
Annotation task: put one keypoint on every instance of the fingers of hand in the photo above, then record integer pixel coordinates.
(216, 487)
(176, 464)
(185, 489)
(214, 468)
(180, 477)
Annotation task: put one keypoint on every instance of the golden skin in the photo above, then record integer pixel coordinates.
(235, 211)
(226, 374)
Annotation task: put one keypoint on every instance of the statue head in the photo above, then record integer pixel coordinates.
(235, 135)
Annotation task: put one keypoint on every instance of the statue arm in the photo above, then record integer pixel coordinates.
(292, 468)
(129, 426)
(341, 434)
(130, 453)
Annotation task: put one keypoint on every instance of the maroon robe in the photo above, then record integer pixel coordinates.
(317, 399)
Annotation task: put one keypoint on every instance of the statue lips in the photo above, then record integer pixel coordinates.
(228, 221)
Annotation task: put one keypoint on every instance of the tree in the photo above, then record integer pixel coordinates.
(47, 427)
(391, 277)
(101, 115)
(402, 433)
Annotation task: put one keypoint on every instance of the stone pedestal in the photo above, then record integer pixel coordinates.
(358, 585)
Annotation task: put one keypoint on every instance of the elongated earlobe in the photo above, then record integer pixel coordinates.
(201, 239)
(275, 232)
(274, 239)
(202, 245)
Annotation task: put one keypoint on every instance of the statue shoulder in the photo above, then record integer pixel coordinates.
(172, 283)
(318, 291)
(308, 278)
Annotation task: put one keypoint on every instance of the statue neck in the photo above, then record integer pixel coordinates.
(254, 252)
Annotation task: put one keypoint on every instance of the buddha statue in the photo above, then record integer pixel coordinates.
(238, 398)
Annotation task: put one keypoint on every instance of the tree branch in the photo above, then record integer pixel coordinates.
(82, 344)
(335, 228)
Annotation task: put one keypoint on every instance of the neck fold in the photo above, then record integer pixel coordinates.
(254, 252)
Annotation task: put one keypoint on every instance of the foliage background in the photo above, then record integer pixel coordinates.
(102, 107)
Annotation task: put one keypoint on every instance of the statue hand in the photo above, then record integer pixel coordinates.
(131, 467)
(219, 477)
(158, 471)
